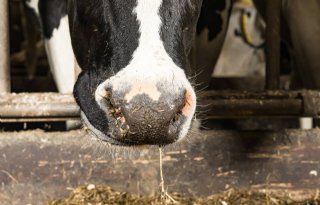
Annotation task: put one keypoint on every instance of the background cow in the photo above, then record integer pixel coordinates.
(212, 27)
(51, 17)
(300, 31)
(242, 54)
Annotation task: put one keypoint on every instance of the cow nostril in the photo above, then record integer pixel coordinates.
(175, 122)
(116, 114)
(184, 110)
(176, 119)
(189, 105)
(177, 116)
(122, 125)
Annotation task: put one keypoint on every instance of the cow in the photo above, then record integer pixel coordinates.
(212, 28)
(242, 54)
(134, 56)
(300, 32)
(51, 18)
(137, 63)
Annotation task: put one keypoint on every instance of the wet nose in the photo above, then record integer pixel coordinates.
(143, 118)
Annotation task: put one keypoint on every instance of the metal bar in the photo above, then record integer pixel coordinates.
(273, 17)
(32, 107)
(39, 110)
(4, 47)
(39, 119)
(254, 108)
(231, 94)
(234, 104)
(37, 107)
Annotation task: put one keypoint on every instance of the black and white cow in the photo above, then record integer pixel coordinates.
(135, 87)
(212, 28)
(301, 31)
(134, 57)
(51, 17)
(242, 54)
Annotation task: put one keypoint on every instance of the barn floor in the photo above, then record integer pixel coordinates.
(36, 167)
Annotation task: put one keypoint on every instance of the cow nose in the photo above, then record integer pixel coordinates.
(143, 119)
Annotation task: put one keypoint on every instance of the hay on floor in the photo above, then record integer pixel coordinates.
(99, 194)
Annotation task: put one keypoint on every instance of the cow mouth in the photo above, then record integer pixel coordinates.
(122, 133)
(115, 116)
(110, 139)
(129, 134)
(98, 135)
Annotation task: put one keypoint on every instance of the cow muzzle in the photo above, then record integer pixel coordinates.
(144, 113)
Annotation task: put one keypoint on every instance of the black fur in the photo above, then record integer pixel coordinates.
(104, 36)
(179, 19)
(210, 17)
(51, 12)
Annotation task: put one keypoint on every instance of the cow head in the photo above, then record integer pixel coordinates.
(133, 89)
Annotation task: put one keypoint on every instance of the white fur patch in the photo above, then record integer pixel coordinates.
(34, 4)
(142, 88)
(61, 57)
(151, 65)
(237, 58)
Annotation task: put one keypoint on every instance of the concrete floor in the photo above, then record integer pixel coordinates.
(36, 166)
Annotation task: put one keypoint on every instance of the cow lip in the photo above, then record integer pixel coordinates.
(98, 134)
(113, 113)
(122, 130)
(126, 143)
(103, 137)
(107, 138)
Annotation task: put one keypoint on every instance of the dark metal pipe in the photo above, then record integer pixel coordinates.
(273, 17)
(4, 47)
(235, 104)
(32, 107)
(254, 108)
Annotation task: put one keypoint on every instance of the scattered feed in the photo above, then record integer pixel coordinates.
(100, 194)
